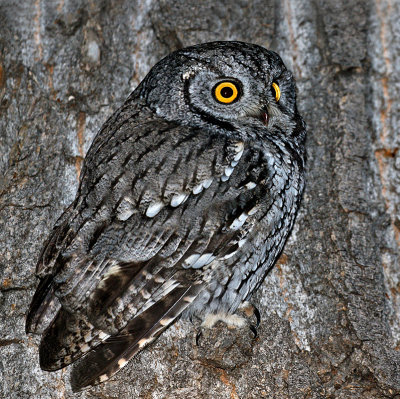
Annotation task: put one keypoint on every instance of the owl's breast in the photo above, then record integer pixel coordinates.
(268, 183)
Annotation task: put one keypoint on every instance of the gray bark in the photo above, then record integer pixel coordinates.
(331, 306)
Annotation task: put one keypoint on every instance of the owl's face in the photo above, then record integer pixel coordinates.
(222, 83)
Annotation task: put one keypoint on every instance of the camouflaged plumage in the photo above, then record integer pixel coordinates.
(183, 206)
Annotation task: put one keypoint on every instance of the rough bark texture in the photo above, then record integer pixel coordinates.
(331, 306)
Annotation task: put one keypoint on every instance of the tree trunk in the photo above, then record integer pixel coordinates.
(331, 306)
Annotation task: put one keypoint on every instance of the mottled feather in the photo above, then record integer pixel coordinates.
(184, 204)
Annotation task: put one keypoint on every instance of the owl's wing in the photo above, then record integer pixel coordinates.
(112, 354)
(153, 210)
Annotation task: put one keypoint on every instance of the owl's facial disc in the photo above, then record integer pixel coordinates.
(221, 84)
(232, 98)
(237, 97)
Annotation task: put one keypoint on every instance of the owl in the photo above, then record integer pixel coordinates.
(186, 198)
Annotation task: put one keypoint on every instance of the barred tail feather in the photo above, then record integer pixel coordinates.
(115, 352)
(67, 339)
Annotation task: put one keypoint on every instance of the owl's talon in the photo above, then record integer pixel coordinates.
(253, 329)
(251, 310)
(258, 316)
(198, 336)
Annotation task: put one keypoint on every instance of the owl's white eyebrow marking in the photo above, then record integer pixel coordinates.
(178, 199)
(186, 75)
(153, 209)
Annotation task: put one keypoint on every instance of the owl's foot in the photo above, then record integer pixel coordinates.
(198, 336)
(251, 310)
(233, 320)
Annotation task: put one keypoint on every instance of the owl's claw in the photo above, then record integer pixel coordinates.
(253, 329)
(198, 336)
(257, 315)
(251, 310)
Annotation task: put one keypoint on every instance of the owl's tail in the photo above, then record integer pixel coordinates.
(43, 307)
(114, 353)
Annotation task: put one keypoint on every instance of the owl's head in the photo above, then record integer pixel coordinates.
(228, 84)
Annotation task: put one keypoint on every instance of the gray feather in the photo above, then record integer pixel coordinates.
(179, 192)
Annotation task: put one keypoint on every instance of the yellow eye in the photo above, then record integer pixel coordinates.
(226, 92)
(277, 91)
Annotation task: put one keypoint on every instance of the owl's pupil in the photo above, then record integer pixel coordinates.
(226, 92)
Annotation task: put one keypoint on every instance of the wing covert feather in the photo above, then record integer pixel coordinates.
(109, 228)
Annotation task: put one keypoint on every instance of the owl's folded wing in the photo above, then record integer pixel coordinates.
(113, 353)
(153, 210)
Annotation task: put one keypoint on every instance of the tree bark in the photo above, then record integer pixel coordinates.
(331, 306)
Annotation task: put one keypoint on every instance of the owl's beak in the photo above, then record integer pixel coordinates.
(264, 117)
(261, 114)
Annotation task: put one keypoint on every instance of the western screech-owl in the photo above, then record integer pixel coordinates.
(186, 198)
